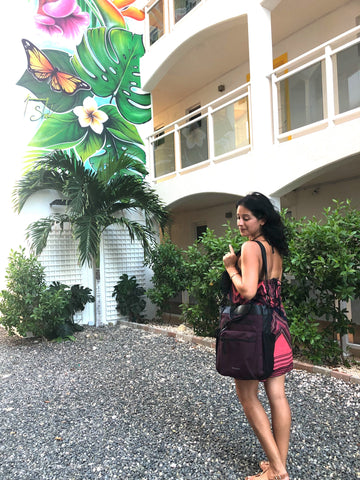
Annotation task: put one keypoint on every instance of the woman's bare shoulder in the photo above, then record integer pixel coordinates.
(250, 247)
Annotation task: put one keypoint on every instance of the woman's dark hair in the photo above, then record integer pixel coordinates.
(273, 228)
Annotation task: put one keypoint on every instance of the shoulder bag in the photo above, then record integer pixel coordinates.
(244, 342)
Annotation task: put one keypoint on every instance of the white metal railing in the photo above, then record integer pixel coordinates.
(328, 78)
(319, 76)
(218, 130)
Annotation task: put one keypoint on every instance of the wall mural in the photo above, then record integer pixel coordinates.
(87, 89)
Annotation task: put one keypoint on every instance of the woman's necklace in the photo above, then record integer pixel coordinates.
(257, 236)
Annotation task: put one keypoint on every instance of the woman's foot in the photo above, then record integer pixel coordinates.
(258, 476)
(264, 465)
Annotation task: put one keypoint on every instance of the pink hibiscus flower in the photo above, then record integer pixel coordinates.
(61, 17)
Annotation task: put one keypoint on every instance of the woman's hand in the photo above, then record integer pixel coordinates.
(230, 259)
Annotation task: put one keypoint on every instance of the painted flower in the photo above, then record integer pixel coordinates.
(90, 116)
(61, 17)
(113, 12)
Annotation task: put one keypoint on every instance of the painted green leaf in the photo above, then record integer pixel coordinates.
(90, 144)
(119, 127)
(54, 101)
(58, 131)
(114, 148)
(108, 60)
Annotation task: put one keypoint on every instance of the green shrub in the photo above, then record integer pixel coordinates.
(204, 267)
(129, 298)
(28, 305)
(324, 265)
(169, 274)
(77, 297)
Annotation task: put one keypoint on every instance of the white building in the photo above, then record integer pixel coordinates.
(252, 95)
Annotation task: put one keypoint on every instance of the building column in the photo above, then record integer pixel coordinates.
(261, 65)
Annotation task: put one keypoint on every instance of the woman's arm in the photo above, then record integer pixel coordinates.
(245, 283)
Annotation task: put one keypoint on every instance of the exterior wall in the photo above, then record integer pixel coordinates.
(183, 231)
(320, 31)
(310, 200)
(33, 105)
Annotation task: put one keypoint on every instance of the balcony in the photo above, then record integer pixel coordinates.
(208, 134)
(317, 90)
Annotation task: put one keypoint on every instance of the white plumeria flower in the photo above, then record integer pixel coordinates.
(90, 116)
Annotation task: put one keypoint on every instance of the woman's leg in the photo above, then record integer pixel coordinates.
(280, 414)
(247, 392)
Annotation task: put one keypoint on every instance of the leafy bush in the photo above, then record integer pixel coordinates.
(323, 264)
(28, 305)
(169, 274)
(128, 295)
(77, 297)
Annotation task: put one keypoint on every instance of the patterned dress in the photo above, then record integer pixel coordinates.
(269, 293)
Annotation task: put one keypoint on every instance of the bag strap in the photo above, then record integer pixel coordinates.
(264, 259)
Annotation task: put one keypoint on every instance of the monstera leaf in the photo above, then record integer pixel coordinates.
(54, 101)
(115, 148)
(108, 60)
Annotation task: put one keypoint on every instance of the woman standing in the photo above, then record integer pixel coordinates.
(258, 220)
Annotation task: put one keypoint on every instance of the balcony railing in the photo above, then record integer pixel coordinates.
(318, 89)
(162, 15)
(209, 134)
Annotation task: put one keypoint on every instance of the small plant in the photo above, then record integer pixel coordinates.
(169, 274)
(77, 297)
(29, 305)
(129, 298)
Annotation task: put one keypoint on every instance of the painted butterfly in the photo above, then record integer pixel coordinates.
(43, 70)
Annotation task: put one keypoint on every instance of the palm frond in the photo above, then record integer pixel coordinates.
(34, 181)
(87, 231)
(129, 192)
(118, 167)
(143, 233)
(38, 232)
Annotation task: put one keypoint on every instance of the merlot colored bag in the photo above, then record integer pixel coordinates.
(244, 342)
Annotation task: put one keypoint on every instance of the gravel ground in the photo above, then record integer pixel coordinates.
(127, 404)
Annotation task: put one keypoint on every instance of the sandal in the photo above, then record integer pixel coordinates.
(283, 476)
(258, 475)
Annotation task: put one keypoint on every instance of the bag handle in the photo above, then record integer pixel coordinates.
(264, 259)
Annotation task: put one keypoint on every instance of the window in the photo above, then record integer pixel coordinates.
(301, 98)
(182, 7)
(164, 153)
(348, 78)
(156, 21)
(194, 139)
(200, 230)
(231, 127)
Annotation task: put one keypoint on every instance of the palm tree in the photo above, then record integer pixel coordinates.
(93, 201)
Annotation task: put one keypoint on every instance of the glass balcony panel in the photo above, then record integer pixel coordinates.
(348, 77)
(231, 127)
(301, 99)
(156, 21)
(182, 7)
(194, 143)
(164, 155)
